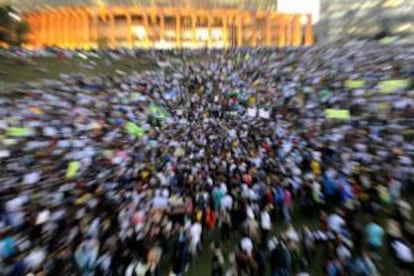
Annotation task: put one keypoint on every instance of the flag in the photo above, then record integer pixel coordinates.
(134, 130)
(158, 112)
(72, 169)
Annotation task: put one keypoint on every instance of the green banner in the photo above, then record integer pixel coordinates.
(354, 84)
(72, 169)
(338, 114)
(390, 86)
(18, 131)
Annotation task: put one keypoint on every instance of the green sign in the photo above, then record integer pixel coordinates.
(72, 169)
(353, 84)
(343, 114)
(18, 131)
(391, 86)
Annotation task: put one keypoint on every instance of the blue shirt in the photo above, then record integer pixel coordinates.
(375, 234)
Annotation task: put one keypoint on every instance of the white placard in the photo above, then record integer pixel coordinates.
(252, 112)
(263, 113)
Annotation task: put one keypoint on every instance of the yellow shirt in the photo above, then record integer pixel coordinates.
(316, 168)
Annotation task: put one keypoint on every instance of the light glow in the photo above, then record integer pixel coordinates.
(139, 31)
(15, 16)
(299, 6)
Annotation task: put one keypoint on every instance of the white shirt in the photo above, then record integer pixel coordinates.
(247, 245)
(335, 223)
(31, 178)
(195, 232)
(35, 258)
(227, 202)
(404, 253)
(159, 202)
(265, 221)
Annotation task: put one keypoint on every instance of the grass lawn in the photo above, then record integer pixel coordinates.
(50, 68)
(203, 265)
(12, 74)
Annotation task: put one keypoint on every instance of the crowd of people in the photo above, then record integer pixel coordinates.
(142, 173)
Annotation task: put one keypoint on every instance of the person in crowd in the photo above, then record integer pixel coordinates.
(217, 262)
(375, 235)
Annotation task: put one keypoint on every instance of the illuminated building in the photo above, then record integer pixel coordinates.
(191, 26)
(355, 19)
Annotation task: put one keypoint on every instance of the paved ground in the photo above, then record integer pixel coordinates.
(11, 73)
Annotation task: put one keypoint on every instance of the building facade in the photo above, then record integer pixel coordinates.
(162, 27)
(355, 19)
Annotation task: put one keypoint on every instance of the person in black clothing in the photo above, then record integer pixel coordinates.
(179, 252)
(217, 261)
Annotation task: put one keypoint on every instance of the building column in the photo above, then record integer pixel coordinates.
(129, 29)
(194, 28)
(283, 34)
(75, 29)
(309, 31)
(62, 29)
(210, 20)
(30, 21)
(57, 28)
(94, 28)
(146, 27)
(224, 19)
(162, 26)
(48, 25)
(112, 39)
(86, 29)
(239, 22)
(254, 30)
(43, 26)
(46, 28)
(289, 31)
(297, 31)
(178, 30)
(74, 26)
(268, 34)
(65, 29)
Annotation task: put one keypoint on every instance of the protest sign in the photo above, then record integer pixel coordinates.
(18, 131)
(390, 86)
(338, 114)
(354, 84)
(252, 112)
(72, 169)
(263, 113)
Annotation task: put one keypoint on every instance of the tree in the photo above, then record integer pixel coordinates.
(21, 29)
(12, 31)
(5, 23)
(103, 42)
